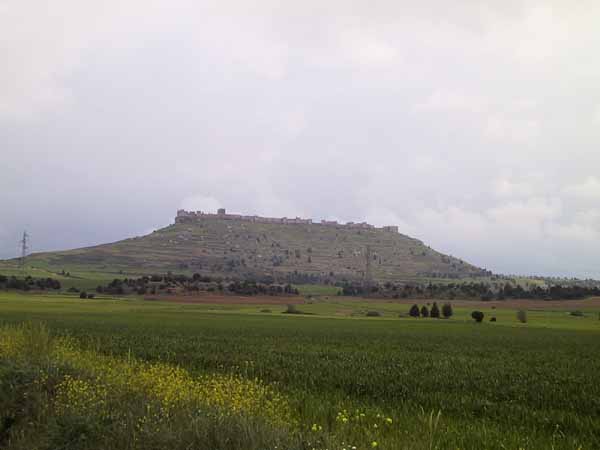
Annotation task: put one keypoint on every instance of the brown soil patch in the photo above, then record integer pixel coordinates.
(220, 299)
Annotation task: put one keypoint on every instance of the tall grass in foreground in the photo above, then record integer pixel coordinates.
(55, 395)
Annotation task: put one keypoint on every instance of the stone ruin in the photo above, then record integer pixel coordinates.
(184, 216)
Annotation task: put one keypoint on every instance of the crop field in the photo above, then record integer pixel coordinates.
(132, 373)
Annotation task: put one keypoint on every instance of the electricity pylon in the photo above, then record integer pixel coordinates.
(24, 248)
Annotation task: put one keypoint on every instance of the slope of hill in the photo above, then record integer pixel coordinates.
(308, 252)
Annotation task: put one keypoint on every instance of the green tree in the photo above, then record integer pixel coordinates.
(414, 311)
(447, 310)
(424, 311)
(477, 316)
(435, 311)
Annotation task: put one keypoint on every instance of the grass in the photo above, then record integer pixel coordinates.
(79, 277)
(443, 384)
(317, 290)
(56, 395)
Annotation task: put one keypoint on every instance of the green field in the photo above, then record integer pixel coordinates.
(364, 382)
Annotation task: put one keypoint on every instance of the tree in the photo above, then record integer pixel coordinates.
(522, 316)
(414, 311)
(435, 311)
(447, 310)
(83, 295)
(424, 311)
(477, 316)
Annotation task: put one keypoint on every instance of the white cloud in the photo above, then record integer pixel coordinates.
(511, 129)
(573, 232)
(589, 189)
(507, 187)
(366, 49)
(448, 101)
(200, 203)
(596, 118)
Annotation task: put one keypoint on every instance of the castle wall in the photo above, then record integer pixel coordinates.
(184, 216)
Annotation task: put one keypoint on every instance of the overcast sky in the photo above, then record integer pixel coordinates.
(473, 125)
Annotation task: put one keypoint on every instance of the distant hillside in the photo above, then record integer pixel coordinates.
(237, 246)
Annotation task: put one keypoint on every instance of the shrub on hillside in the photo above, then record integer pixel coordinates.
(435, 311)
(373, 314)
(522, 316)
(477, 316)
(424, 311)
(83, 294)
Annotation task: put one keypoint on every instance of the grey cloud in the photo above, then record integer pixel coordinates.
(472, 126)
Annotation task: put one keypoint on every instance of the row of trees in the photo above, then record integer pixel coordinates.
(434, 312)
(472, 290)
(28, 283)
(171, 284)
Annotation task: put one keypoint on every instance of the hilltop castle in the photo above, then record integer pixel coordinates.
(184, 216)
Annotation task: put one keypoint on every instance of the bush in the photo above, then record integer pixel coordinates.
(493, 319)
(477, 316)
(522, 316)
(373, 314)
(577, 313)
(83, 294)
(435, 311)
(447, 310)
(424, 311)
(414, 311)
(291, 309)
(265, 310)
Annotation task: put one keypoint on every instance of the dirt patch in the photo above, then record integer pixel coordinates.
(217, 299)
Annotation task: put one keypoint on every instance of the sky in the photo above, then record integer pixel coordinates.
(472, 125)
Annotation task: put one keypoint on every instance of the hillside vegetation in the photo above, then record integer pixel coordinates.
(297, 253)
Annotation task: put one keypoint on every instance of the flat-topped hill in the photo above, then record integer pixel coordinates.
(240, 247)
